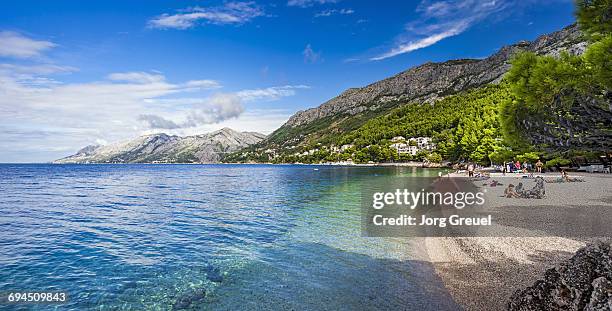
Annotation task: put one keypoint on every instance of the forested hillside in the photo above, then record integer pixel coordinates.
(464, 126)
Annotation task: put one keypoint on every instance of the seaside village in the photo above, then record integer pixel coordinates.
(412, 145)
(402, 146)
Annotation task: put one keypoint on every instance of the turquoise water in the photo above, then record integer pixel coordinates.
(205, 237)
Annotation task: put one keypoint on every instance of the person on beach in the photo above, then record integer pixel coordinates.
(470, 170)
(537, 192)
(504, 169)
(539, 165)
(509, 192)
(519, 188)
(517, 166)
(564, 175)
(566, 178)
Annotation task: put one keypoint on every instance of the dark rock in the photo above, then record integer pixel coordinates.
(583, 282)
(601, 296)
(186, 300)
(213, 274)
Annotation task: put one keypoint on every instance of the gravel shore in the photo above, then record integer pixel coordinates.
(481, 273)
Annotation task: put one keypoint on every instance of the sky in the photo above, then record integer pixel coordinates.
(77, 73)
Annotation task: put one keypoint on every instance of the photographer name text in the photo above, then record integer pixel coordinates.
(453, 220)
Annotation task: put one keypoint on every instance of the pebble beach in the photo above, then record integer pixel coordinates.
(481, 273)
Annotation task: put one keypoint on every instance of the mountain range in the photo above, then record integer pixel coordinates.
(347, 112)
(163, 148)
(422, 84)
(431, 81)
(427, 83)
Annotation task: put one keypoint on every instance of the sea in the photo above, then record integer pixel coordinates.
(205, 237)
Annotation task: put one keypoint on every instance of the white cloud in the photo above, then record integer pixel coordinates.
(43, 119)
(204, 84)
(72, 115)
(422, 43)
(229, 13)
(44, 69)
(31, 74)
(137, 77)
(439, 20)
(310, 56)
(157, 122)
(43, 122)
(247, 96)
(331, 12)
(102, 142)
(308, 3)
(270, 93)
(150, 78)
(217, 108)
(257, 120)
(251, 120)
(15, 45)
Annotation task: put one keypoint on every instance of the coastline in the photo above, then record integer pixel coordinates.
(493, 268)
(402, 164)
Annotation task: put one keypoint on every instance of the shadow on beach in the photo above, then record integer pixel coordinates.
(485, 284)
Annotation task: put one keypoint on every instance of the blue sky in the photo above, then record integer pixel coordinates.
(74, 73)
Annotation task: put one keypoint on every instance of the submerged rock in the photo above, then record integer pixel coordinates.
(584, 282)
(187, 299)
(213, 274)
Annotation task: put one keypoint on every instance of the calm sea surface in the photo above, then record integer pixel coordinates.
(204, 237)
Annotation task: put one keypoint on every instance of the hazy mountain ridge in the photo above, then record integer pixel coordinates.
(163, 148)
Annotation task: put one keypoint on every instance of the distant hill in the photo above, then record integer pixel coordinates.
(163, 148)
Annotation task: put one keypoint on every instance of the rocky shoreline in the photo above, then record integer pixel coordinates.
(583, 282)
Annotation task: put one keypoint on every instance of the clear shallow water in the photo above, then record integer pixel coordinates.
(157, 237)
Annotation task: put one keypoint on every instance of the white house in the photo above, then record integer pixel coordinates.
(413, 150)
(423, 143)
(403, 148)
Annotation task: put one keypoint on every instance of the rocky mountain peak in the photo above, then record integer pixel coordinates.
(432, 81)
(164, 148)
(88, 150)
(225, 131)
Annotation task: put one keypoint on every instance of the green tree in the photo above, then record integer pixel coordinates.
(530, 157)
(598, 57)
(434, 157)
(594, 17)
(501, 154)
(564, 103)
